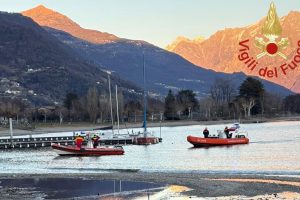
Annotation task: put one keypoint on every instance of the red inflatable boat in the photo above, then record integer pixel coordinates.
(75, 151)
(207, 142)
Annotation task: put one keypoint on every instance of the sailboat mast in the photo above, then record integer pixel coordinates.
(111, 113)
(145, 95)
(117, 102)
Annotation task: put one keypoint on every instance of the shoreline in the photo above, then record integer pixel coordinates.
(201, 185)
(84, 126)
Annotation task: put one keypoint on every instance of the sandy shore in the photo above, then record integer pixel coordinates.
(208, 186)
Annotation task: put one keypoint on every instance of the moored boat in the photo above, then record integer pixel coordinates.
(147, 139)
(207, 142)
(76, 151)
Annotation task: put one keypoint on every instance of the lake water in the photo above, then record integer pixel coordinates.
(274, 148)
(70, 188)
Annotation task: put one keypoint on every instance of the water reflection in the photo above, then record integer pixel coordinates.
(56, 188)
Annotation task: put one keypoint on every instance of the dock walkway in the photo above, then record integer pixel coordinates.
(46, 142)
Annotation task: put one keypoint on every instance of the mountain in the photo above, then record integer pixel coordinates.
(164, 70)
(37, 67)
(46, 17)
(180, 39)
(220, 51)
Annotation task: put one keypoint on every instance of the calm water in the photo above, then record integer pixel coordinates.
(274, 149)
(56, 188)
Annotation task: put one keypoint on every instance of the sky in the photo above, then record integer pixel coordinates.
(159, 21)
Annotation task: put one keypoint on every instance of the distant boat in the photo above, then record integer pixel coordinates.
(75, 151)
(145, 137)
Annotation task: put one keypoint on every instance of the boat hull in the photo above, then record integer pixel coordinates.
(207, 142)
(146, 140)
(75, 151)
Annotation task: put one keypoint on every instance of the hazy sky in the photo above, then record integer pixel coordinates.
(158, 21)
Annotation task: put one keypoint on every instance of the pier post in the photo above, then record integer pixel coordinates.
(11, 132)
(114, 187)
(159, 129)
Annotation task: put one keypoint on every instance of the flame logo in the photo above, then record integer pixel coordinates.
(272, 25)
(271, 30)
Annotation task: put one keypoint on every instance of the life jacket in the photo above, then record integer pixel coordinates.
(79, 140)
(95, 139)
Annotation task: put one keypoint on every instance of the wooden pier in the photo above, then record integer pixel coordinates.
(18, 143)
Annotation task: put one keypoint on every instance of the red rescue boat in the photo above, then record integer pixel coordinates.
(76, 151)
(207, 142)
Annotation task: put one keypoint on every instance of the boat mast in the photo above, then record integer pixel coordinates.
(145, 96)
(111, 113)
(117, 101)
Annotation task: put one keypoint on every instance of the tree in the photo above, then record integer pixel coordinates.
(252, 90)
(207, 108)
(247, 105)
(11, 107)
(70, 97)
(170, 106)
(92, 104)
(186, 100)
(251, 87)
(222, 93)
(273, 103)
(104, 108)
(132, 108)
(292, 103)
(78, 110)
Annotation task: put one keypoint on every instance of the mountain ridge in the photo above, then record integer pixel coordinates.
(36, 67)
(220, 51)
(165, 70)
(50, 18)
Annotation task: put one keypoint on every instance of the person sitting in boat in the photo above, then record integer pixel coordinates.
(95, 140)
(205, 133)
(79, 140)
(226, 131)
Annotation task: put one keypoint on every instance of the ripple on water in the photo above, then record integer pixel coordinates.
(273, 147)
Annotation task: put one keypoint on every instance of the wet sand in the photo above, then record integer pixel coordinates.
(208, 186)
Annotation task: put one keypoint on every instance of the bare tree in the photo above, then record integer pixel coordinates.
(207, 107)
(104, 107)
(222, 93)
(92, 104)
(247, 105)
(11, 107)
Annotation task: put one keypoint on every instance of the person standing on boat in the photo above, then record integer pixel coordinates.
(205, 133)
(226, 131)
(95, 140)
(79, 140)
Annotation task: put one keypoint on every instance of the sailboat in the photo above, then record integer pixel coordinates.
(146, 137)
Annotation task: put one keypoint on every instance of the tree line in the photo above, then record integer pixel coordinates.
(224, 101)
